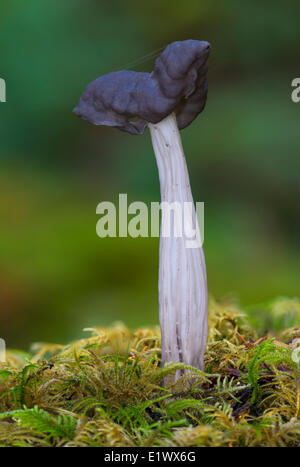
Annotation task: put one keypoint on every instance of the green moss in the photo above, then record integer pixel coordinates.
(109, 390)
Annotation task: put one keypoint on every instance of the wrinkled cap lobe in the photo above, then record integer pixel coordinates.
(128, 100)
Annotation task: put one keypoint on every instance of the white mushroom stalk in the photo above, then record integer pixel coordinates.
(166, 100)
(183, 298)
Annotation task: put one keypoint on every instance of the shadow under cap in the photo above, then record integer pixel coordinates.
(177, 84)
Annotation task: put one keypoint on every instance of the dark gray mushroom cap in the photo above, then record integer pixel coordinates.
(129, 100)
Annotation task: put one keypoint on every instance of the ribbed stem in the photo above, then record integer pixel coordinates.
(182, 270)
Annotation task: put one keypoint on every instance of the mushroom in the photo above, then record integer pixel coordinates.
(166, 100)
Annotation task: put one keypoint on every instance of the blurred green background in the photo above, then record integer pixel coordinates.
(56, 275)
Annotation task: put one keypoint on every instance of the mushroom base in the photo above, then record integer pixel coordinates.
(182, 271)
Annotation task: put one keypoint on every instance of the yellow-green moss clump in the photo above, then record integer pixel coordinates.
(107, 389)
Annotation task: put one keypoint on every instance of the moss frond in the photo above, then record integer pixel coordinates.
(109, 389)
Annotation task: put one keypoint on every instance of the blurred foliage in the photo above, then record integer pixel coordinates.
(242, 152)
